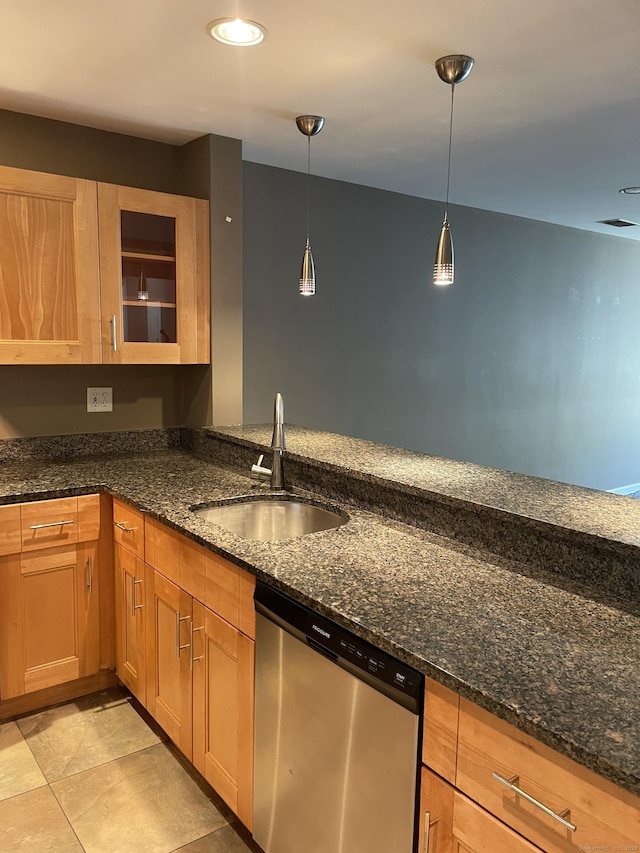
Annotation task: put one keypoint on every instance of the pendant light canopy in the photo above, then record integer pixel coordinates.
(451, 69)
(309, 126)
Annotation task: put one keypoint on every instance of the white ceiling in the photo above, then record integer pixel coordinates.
(547, 126)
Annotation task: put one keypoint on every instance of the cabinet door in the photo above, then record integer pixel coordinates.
(451, 823)
(154, 277)
(167, 658)
(53, 627)
(130, 621)
(49, 276)
(223, 668)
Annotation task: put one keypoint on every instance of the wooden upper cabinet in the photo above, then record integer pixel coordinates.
(93, 273)
(49, 275)
(154, 271)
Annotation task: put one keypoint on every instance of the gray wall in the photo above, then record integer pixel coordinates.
(530, 362)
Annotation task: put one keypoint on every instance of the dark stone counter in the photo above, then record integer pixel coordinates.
(550, 648)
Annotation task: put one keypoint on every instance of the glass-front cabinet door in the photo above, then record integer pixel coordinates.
(154, 276)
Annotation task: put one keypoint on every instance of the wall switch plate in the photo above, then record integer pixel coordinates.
(99, 399)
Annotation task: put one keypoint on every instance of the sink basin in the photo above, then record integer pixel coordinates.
(271, 519)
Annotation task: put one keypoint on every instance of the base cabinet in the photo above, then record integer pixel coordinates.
(452, 823)
(223, 666)
(49, 597)
(509, 793)
(185, 628)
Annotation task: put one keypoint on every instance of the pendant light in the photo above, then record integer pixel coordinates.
(451, 69)
(310, 126)
(143, 293)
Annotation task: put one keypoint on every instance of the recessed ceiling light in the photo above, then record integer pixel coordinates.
(630, 190)
(236, 31)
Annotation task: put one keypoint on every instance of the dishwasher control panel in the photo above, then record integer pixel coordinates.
(339, 643)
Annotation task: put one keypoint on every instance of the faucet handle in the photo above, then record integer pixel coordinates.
(258, 472)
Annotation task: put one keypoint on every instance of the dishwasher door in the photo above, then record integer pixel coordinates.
(336, 760)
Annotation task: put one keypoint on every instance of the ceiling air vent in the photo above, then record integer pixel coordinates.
(618, 223)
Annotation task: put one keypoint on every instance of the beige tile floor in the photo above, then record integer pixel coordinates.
(92, 775)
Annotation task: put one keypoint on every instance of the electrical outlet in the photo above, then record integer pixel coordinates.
(99, 399)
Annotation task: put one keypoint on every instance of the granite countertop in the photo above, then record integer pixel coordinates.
(536, 649)
(576, 508)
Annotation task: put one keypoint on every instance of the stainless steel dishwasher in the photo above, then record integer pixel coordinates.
(337, 724)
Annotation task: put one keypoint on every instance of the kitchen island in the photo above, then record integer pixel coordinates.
(517, 593)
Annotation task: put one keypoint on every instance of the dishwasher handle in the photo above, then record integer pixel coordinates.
(318, 647)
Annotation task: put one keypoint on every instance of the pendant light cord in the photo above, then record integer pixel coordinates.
(308, 182)
(446, 205)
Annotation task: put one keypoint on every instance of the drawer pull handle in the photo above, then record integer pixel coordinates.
(512, 785)
(51, 524)
(122, 526)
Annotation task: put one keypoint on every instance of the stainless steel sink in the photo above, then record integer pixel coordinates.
(271, 519)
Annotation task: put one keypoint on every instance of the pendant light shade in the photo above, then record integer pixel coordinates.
(450, 69)
(143, 293)
(307, 273)
(309, 126)
(443, 266)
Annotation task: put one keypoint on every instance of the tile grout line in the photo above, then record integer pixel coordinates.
(66, 817)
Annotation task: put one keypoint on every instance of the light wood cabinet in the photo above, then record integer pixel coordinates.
(602, 814)
(223, 670)
(199, 656)
(168, 658)
(10, 529)
(574, 808)
(49, 275)
(49, 597)
(130, 621)
(154, 273)
(98, 273)
(452, 823)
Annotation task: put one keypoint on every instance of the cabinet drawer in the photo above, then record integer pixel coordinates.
(162, 549)
(128, 527)
(605, 817)
(449, 822)
(47, 524)
(88, 518)
(10, 537)
(176, 557)
(228, 591)
(440, 729)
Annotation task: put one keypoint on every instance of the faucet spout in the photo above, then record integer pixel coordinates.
(278, 443)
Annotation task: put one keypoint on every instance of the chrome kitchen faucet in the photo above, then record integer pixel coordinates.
(278, 445)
